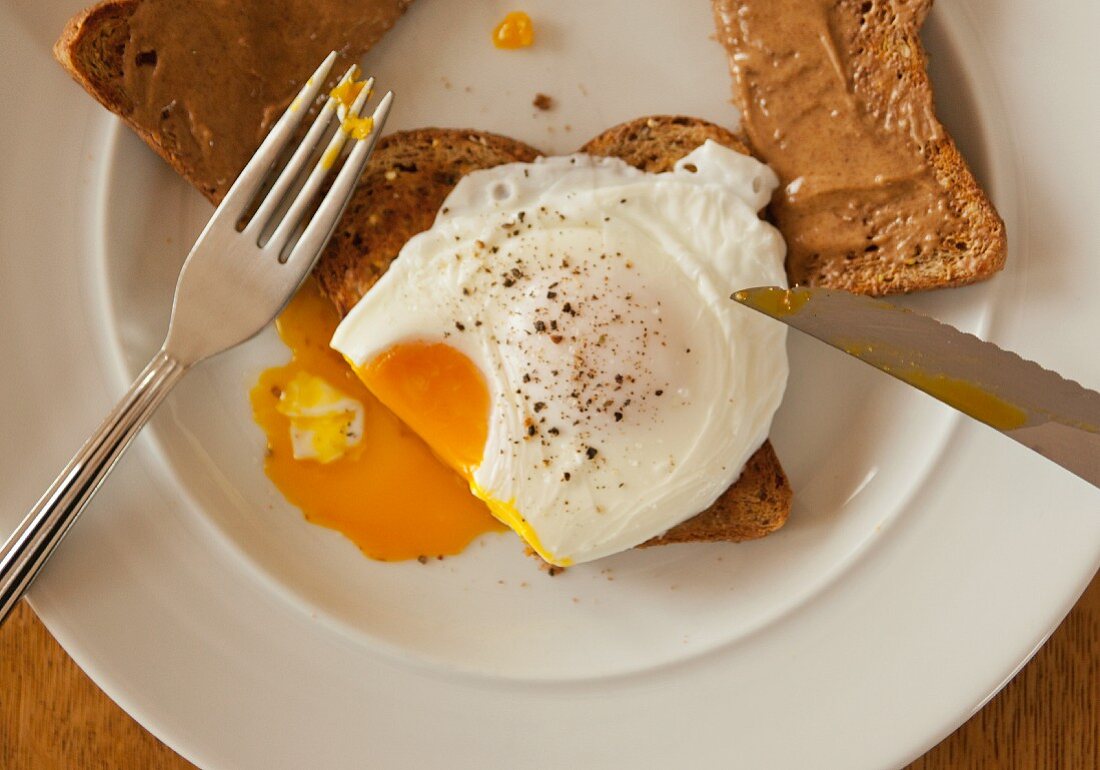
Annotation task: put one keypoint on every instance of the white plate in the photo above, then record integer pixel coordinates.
(925, 560)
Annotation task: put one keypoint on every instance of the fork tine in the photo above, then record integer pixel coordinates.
(317, 232)
(250, 179)
(297, 162)
(293, 216)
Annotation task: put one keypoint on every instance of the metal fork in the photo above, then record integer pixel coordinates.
(239, 274)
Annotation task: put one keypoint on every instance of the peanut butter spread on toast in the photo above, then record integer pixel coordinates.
(213, 75)
(851, 138)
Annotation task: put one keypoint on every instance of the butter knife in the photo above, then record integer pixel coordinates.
(1042, 410)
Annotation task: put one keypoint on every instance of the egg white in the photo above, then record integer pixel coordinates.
(627, 390)
(325, 423)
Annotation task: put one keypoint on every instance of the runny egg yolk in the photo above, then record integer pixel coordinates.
(442, 396)
(348, 91)
(358, 128)
(387, 491)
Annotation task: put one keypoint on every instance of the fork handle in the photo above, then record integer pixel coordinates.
(36, 537)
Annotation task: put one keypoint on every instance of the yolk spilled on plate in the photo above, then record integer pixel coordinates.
(362, 471)
(515, 31)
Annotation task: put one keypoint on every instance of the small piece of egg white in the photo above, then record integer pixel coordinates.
(324, 422)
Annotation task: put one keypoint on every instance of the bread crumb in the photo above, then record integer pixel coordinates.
(543, 102)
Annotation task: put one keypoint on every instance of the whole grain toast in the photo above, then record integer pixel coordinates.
(878, 70)
(407, 180)
(201, 81)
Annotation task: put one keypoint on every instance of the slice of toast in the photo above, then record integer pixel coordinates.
(412, 172)
(201, 81)
(835, 96)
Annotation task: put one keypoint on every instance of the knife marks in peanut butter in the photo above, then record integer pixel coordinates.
(845, 134)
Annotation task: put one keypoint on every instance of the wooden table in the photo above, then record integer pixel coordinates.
(52, 716)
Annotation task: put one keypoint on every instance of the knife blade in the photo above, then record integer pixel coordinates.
(1042, 410)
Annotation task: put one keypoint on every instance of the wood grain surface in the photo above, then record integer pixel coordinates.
(53, 717)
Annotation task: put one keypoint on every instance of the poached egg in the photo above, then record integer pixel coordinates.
(563, 338)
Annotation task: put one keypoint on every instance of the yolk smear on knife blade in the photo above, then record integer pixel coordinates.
(774, 301)
(973, 399)
(970, 397)
(388, 493)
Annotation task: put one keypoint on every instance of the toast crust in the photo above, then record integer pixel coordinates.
(656, 142)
